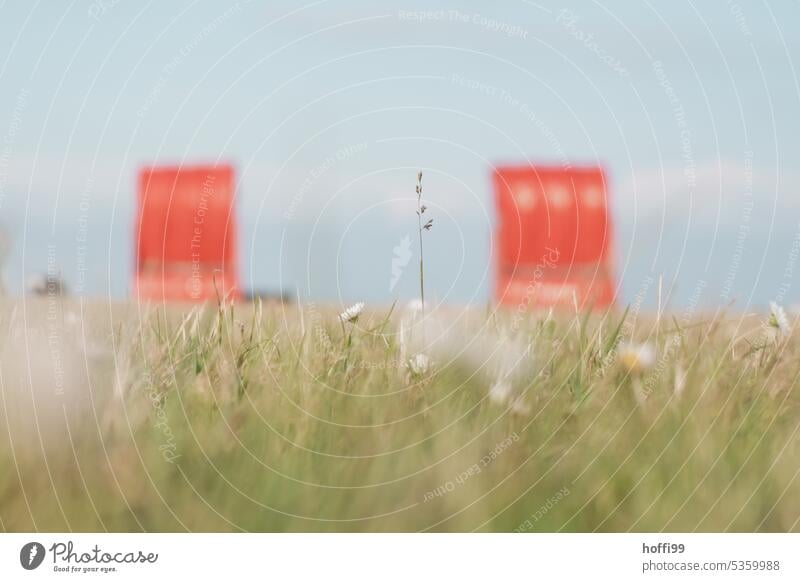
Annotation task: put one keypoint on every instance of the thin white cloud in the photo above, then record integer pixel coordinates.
(706, 189)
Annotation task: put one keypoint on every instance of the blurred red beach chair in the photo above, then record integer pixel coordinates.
(553, 237)
(185, 234)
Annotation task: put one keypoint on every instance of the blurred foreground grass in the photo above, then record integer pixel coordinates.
(126, 419)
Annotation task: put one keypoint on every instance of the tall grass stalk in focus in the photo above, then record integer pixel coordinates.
(421, 208)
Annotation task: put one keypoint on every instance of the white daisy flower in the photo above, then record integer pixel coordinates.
(778, 319)
(636, 357)
(351, 314)
(419, 364)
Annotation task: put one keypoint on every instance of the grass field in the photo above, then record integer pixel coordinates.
(275, 418)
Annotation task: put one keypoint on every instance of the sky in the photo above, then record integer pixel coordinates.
(327, 109)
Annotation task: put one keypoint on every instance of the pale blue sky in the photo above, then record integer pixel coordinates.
(702, 149)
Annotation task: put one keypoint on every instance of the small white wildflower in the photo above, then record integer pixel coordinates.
(351, 314)
(778, 319)
(419, 364)
(500, 391)
(637, 357)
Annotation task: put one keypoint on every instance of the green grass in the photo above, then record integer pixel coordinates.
(260, 420)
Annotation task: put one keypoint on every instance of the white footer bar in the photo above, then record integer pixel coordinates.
(402, 557)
